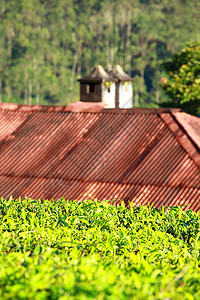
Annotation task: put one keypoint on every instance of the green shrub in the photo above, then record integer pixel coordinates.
(93, 250)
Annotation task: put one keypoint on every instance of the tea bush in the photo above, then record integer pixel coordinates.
(94, 250)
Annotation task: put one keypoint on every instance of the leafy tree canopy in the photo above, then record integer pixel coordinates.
(46, 45)
(183, 83)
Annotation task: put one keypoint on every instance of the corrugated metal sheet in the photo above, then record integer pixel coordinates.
(137, 155)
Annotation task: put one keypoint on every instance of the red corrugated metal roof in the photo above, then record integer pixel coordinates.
(138, 155)
(190, 125)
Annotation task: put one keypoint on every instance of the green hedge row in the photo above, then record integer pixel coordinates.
(93, 250)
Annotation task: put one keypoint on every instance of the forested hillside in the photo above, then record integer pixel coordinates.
(45, 45)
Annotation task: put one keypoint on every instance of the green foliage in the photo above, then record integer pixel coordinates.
(46, 45)
(93, 250)
(183, 85)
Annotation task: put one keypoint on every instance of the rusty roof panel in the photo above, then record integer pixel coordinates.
(191, 125)
(138, 194)
(186, 135)
(138, 155)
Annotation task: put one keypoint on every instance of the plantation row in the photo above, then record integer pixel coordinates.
(92, 250)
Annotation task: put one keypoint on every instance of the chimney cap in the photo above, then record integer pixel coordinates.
(98, 75)
(118, 73)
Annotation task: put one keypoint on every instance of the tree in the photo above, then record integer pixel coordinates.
(183, 82)
(45, 45)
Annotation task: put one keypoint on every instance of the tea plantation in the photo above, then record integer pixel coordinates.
(93, 250)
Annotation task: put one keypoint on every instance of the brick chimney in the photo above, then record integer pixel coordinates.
(98, 86)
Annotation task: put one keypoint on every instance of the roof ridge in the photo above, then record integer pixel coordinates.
(191, 125)
(30, 107)
(86, 107)
(182, 137)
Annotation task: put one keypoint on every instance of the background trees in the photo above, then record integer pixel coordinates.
(183, 86)
(45, 45)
